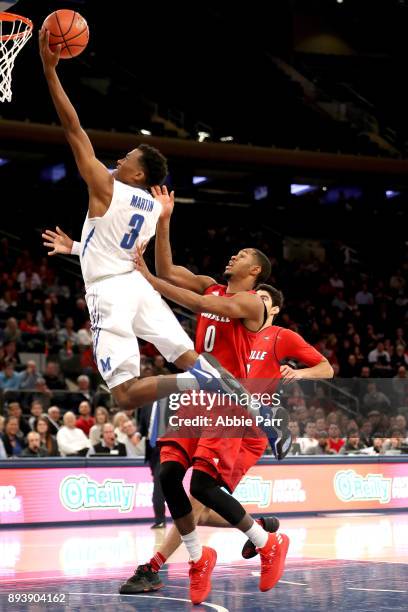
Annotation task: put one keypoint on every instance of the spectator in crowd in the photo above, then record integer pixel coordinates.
(30, 376)
(399, 358)
(394, 444)
(309, 441)
(48, 441)
(101, 417)
(135, 446)
(377, 447)
(68, 333)
(29, 279)
(365, 433)
(321, 425)
(374, 399)
(8, 303)
(53, 377)
(28, 325)
(322, 447)
(118, 420)
(364, 297)
(108, 445)
(85, 335)
(70, 439)
(84, 392)
(13, 441)
(335, 442)
(85, 420)
(9, 379)
(80, 314)
(54, 419)
(11, 356)
(14, 410)
(401, 425)
(42, 393)
(47, 320)
(400, 386)
(379, 354)
(34, 448)
(36, 410)
(159, 364)
(353, 443)
(3, 454)
(12, 333)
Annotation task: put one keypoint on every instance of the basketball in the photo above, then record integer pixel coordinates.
(68, 29)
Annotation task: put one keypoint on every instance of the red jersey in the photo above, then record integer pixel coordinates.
(227, 339)
(274, 344)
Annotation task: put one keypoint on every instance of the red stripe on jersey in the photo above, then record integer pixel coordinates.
(227, 339)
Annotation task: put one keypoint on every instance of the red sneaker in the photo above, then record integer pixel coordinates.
(200, 575)
(273, 556)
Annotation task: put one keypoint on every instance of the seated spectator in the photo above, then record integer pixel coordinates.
(29, 376)
(48, 441)
(53, 377)
(34, 448)
(394, 444)
(322, 447)
(11, 331)
(84, 392)
(54, 419)
(353, 443)
(11, 356)
(36, 411)
(14, 410)
(321, 425)
(364, 297)
(378, 442)
(352, 368)
(42, 393)
(101, 417)
(85, 421)
(400, 387)
(9, 379)
(47, 320)
(12, 440)
(335, 442)
(8, 303)
(108, 445)
(85, 335)
(135, 444)
(309, 441)
(70, 439)
(374, 399)
(401, 425)
(118, 420)
(3, 454)
(67, 333)
(379, 354)
(28, 325)
(28, 279)
(400, 358)
(366, 430)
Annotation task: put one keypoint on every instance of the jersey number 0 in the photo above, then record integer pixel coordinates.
(129, 239)
(209, 339)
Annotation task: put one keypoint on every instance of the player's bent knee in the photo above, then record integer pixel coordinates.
(171, 479)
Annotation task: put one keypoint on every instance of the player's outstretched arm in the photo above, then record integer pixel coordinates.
(242, 305)
(94, 173)
(165, 268)
(59, 242)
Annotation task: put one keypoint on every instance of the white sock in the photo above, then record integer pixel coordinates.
(187, 382)
(257, 535)
(195, 550)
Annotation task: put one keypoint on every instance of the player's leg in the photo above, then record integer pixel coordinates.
(271, 547)
(116, 348)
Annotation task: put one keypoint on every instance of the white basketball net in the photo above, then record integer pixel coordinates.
(13, 36)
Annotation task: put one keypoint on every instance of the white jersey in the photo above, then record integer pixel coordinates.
(108, 243)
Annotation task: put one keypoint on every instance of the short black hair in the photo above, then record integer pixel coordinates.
(154, 165)
(276, 295)
(263, 261)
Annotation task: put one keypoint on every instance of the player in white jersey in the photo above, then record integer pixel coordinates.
(122, 216)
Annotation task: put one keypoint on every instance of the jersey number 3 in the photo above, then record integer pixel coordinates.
(128, 240)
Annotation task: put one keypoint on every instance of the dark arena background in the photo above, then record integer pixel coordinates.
(285, 127)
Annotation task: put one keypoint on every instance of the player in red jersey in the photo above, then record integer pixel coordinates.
(271, 346)
(230, 315)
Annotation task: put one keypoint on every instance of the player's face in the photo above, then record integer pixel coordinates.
(239, 265)
(129, 169)
(267, 300)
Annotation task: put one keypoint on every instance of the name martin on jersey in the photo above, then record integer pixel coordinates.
(214, 317)
(142, 203)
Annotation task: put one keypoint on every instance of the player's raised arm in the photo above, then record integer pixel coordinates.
(165, 269)
(94, 173)
(242, 305)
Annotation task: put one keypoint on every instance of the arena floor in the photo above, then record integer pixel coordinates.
(342, 562)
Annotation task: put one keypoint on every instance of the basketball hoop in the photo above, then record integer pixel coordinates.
(14, 33)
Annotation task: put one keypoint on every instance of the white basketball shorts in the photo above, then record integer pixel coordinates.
(123, 308)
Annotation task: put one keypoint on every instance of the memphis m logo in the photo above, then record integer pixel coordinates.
(106, 365)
